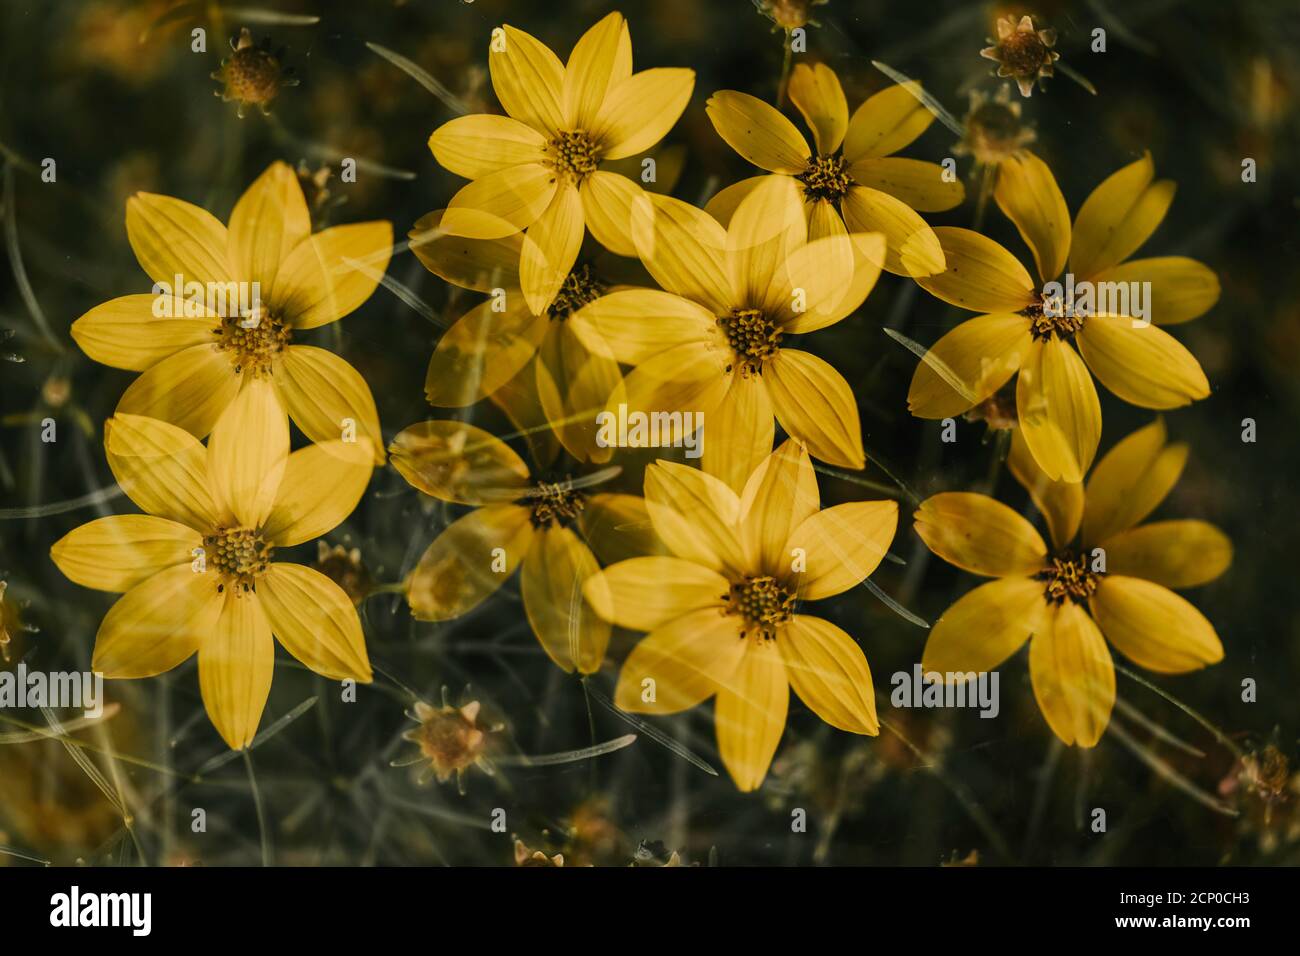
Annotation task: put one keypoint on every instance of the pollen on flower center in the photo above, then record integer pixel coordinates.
(1068, 577)
(825, 178)
(580, 287)
(254, 340)
(1044, 322)
(762, 602)
(753, 336)
(573, 153)
(238, 554)
(555, 503)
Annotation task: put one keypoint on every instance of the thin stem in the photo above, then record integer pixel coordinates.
(785, 71)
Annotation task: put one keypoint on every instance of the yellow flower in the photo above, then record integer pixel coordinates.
(214, 335)
(862, 187)
(197, 568)
(1115, 582)
(1027, 329)
(538, 169)
(502, 340)
(722, 612)
(715, 342)
(548, 527)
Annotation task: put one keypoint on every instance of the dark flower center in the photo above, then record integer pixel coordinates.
(752, 336)
(555, 503)
(580, 287)
(254, 340)
(573, 153)
(825, 178)
(1068, 577)
(762, 602)
(238, 555)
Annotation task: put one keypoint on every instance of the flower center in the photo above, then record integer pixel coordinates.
(1068, 577)
(580, 287)
(1048, 318)
(555, 503)
(752, 336)
(238, 555)
(573, 153)
(1024, 52)
(762, 602)
(254, 340)
(825, 178)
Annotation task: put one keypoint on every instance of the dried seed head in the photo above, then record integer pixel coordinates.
(344, 567)
(994, 129)
(1022, 52)
(252, 75)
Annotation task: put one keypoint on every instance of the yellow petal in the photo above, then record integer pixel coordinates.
(921, 185)
(617, 527)
(269, 220)
(118, 552)
(1060, 502)
(695, 515)
(816, 93)
(501, 203)
(985, 627)
(528, 79)
(885, 123)
(692, 377)
(1118, 217)
(725, 201)
(981, 275)
(327, 398)
(840, 547)
(646, 593)
(322, 485)
(680, 664)
(574, 385)
(607, 200)
(968, 364)
(639, 111)
(556, 568)
(684, 249)
(448, 583)
(980, 534)
(1154, 627)
(315, 621)
(1130, 481)
(825, 280)
(634, 325)
(333, 273)
(482, 351)
(814, 404)
(247, 454)
(750, 713)
(1059, 413)
(478, 264)
(519, 400)
(462, 567)
(477, 145)
(758, 132)
(171, 237)
(550, 248)
(779, 496)
(162, 469)
(590, 70)
(1143, 365)
(1029, 196)
(127, 332)
(1177, 554)
(189, 389)
(829, 672)
(740, 432)
(458, 462)
(1073, 676)
(1181, 289)
(767, 226)
(912, 247)
(158, 624)
(236, 664)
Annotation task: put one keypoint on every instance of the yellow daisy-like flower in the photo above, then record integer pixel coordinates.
(1114, 582)
(852, 182)
(722, 612)
(715, 342)
(538, 170)
(212, 335)
(197, 568)
(550, 528)
(1028, 330)
(502, 339)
